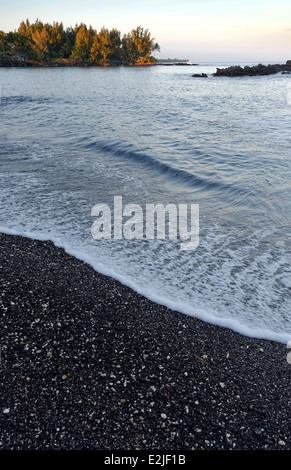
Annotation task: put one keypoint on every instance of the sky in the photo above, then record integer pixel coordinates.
(198, 30)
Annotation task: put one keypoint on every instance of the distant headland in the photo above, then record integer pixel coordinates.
(174, 62)
(42, 44)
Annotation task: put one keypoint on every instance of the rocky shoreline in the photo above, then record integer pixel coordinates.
(87, 363)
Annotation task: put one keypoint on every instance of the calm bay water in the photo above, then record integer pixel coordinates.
(72, 138)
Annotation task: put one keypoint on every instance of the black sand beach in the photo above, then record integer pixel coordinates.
(86, 363)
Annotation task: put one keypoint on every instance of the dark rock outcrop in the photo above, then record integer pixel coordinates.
(238, 71)
(204, 75)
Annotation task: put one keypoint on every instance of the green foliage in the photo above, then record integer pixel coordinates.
(137, 46)
(43, 42)
(2, 43)
(68, 42)
(101, 46)
(83, 42)
(115, 44)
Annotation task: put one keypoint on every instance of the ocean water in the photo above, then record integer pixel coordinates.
(72, 138)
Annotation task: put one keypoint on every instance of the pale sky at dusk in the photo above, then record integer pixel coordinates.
(199, 30)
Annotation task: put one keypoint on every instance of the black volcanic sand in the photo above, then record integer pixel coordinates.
(86, 363)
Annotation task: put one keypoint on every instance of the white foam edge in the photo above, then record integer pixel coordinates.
(181, 307)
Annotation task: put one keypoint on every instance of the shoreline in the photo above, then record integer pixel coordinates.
(64, 65)
(84, 64)
(87, 363)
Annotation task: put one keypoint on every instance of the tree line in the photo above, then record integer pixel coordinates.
(43, 42)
